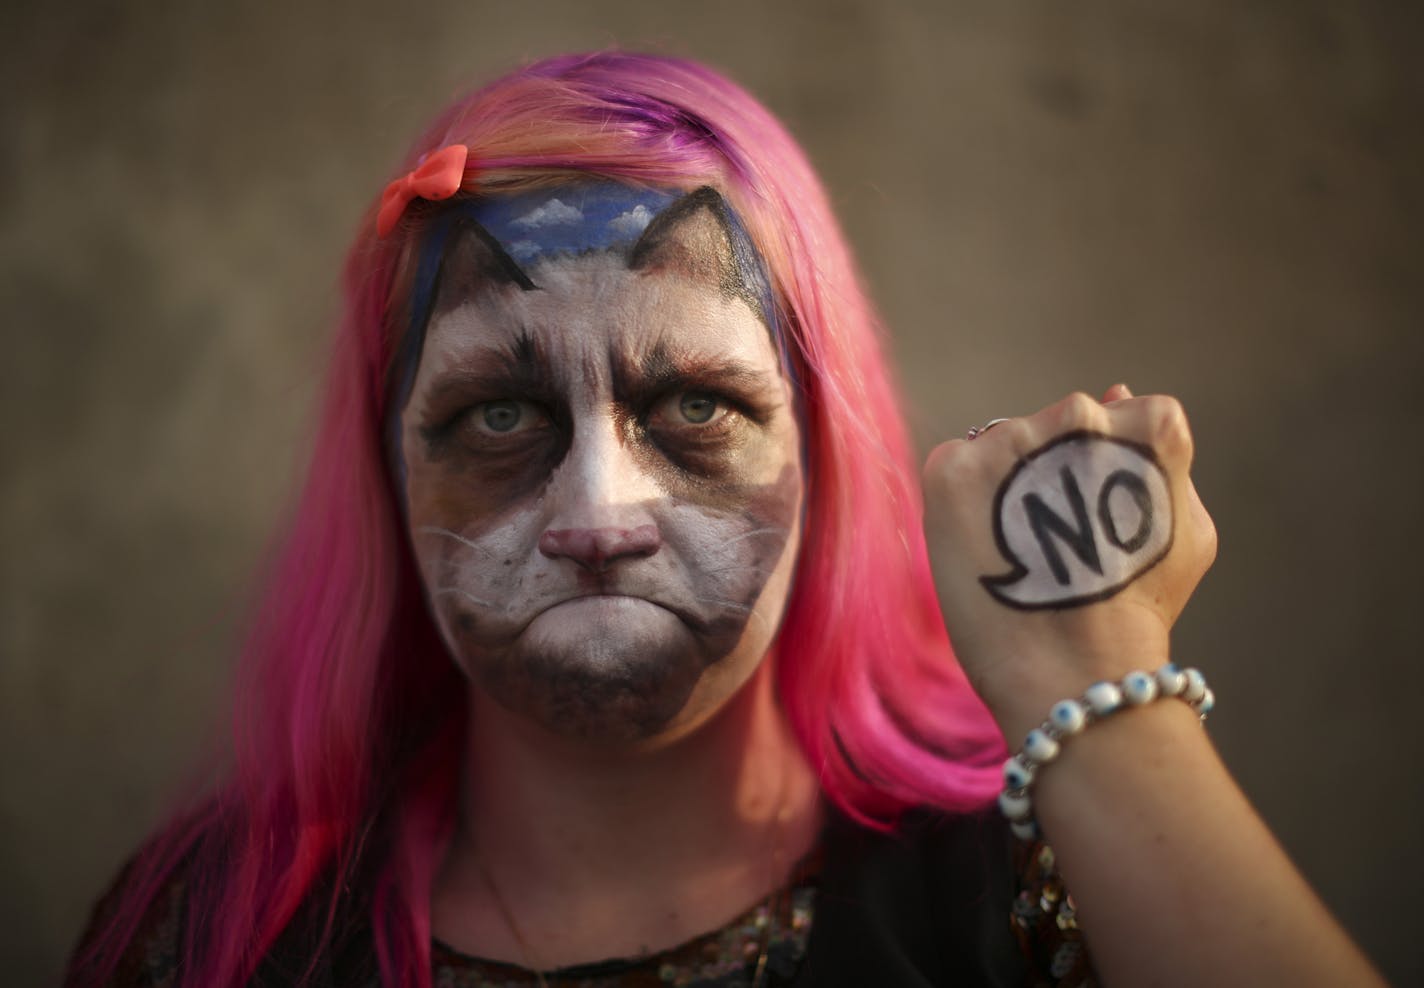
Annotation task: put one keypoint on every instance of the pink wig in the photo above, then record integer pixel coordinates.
(349, 713)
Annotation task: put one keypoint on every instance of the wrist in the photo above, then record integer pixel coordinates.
(1072, 716)
(1028, 677)
(1024, 699)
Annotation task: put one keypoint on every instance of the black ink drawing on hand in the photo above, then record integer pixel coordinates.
(1079, 519)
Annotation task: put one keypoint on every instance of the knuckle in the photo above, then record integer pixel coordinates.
(1211, 543)
(1016, 434)
(1208, 541)
(1201, 531)
(943, 464)
(1079, 411)
(1167, 425)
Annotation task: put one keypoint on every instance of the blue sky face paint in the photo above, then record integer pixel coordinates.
(570, 219)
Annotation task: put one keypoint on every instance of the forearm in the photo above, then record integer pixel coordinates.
(1176, 878)
(1048, 582)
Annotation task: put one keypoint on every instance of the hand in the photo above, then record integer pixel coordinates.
(1064, 546)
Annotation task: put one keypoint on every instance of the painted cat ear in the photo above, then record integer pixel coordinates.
(473, 261)
(696, 237)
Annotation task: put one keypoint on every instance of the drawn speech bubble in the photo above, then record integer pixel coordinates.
(1079, 519)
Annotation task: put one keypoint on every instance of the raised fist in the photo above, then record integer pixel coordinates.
(1064, 546)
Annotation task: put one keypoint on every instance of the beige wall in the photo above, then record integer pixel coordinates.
(1219, 200)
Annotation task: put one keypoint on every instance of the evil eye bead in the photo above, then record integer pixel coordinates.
(1104, 698)
(1195, 688)
(1017, 775)
(1139, 688)
(1015, 805)
(1207, 701)
(1040, 747)
(1171, 680)
(1026, 830)
(1068, 716)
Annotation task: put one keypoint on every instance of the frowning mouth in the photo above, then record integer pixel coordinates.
(615, 598)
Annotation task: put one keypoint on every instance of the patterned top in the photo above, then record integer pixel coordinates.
(762, 948)
(771, 936)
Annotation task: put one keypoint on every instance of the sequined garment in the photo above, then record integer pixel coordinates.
(1041, 918)
(1045, 921)
(776, 929)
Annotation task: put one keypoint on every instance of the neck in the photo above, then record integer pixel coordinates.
(600, 852)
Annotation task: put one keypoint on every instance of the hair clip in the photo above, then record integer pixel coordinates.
(438, 176)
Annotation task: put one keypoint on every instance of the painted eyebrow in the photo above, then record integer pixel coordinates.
(663, 367)
(518, 362)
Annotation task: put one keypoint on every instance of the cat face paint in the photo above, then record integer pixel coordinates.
(602, 464)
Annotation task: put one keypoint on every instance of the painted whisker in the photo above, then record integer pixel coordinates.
(735, 568)
(770, 530)
(437, 530)
(732, 605)
(729, 604)
(444, 591)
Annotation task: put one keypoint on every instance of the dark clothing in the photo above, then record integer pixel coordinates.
(928, 905)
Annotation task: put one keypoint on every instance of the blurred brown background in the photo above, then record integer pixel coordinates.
(1219, 200)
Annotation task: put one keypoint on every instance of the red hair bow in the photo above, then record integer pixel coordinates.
(437, 177)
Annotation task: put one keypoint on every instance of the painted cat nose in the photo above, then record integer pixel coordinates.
(595, 549)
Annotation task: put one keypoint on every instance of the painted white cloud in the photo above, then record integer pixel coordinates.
(522, 250)
(631, 223)
(552, 213)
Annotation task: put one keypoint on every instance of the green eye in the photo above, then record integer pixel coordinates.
(501, 416)
(697, 407)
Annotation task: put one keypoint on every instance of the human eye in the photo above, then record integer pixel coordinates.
(690, 410)
(504, 417)
(497, 426)
(700, 407)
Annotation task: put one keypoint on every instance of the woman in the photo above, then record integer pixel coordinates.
(605, 629)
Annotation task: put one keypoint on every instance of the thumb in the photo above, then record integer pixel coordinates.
(1118, 392)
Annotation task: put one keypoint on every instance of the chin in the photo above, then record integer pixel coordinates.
(618, 670)
(598, 700)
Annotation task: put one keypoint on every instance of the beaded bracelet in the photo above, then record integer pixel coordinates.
(1068, 717)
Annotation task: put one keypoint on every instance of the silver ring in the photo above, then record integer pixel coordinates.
(979, 430)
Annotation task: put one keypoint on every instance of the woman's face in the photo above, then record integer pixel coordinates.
(603, 475)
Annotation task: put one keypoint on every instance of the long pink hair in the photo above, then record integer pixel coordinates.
(349, 714)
